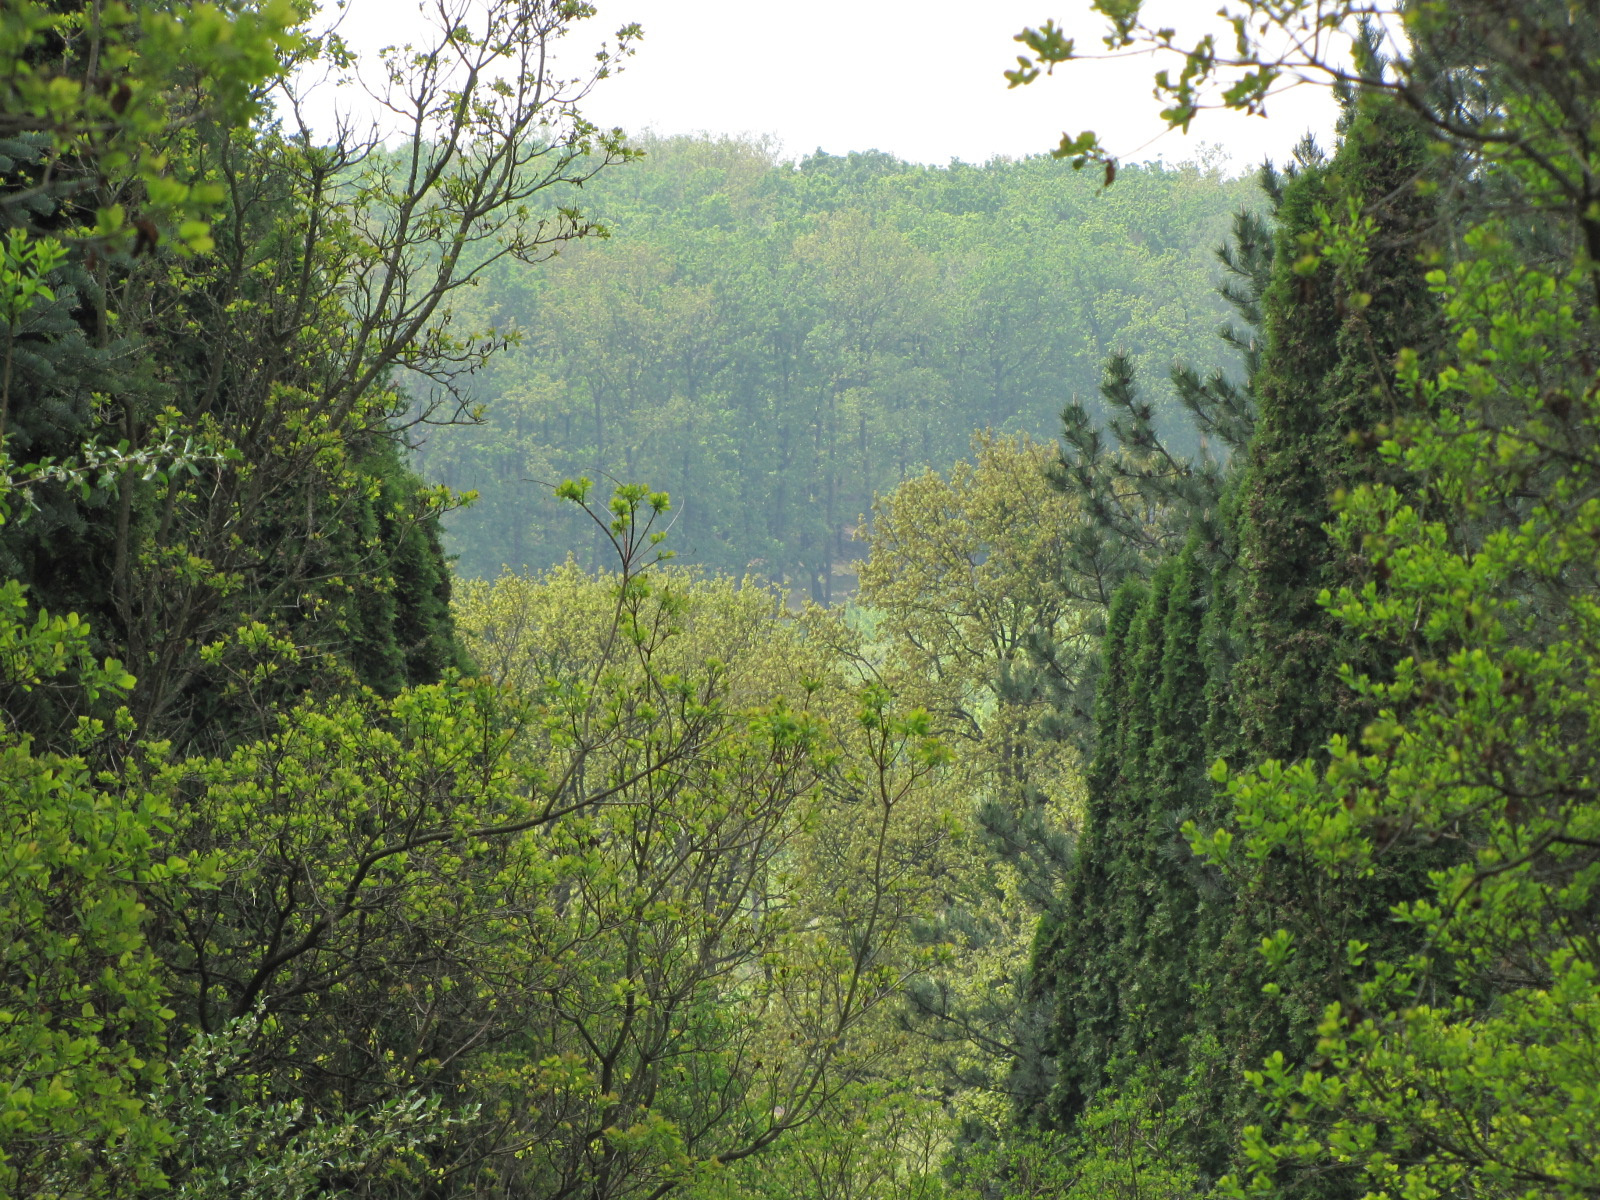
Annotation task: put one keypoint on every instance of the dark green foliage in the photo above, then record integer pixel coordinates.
(62, 363)
(1322, 384)
(318, 537)
(1146, 777)
(1082, 934)
(1136, 902)
(1154, 959)
(400, 628)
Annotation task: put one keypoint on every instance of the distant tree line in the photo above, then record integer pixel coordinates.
(778, 343)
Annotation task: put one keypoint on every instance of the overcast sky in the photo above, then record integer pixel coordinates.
(920, 79)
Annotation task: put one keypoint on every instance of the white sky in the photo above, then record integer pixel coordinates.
(920, 79)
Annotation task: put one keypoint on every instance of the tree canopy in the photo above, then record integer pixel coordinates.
(854, 795)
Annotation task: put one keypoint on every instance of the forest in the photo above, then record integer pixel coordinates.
(777, 344)
(538, 664)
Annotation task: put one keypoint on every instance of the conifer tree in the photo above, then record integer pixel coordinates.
(1154, 962)
(1332, 331)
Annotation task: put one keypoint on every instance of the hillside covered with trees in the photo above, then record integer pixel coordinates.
(778, 343)
(1196, 797)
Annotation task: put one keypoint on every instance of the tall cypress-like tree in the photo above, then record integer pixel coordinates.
(1332, 332)
(1154, 960)
(1088, 1010)
(1146, 776)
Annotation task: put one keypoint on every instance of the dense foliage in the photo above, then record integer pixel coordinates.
(1375, 975)
(1202, 804)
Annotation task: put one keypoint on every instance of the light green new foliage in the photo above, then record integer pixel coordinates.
(90, 1106)
(880, 1140)
(522, 629)
(961, 569)
(82, 1010)
(538, 905)
(115, 84)
(730, 895)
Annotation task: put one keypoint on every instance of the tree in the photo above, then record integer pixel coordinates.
(622, 914)
(1487, 1022)
(96, 97)
(751, 340)
(961, 571)
(1514, 92)
(1139, 497)
(81, 991)
(874, 1141)
(1447, 1060)
(281, 357)
(1220, 652)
